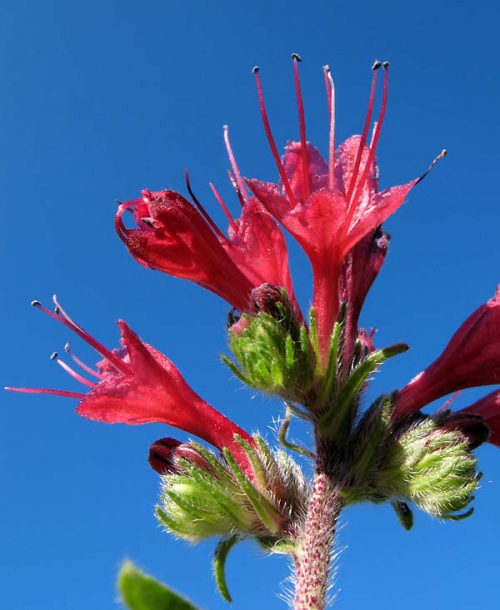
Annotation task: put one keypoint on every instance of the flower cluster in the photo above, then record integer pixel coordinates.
(318, 363)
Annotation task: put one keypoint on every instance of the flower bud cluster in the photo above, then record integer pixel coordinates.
(203, 495)
(424, 460)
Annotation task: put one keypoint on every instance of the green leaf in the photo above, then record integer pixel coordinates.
(142, 592)
(404, 513)
(221, 553)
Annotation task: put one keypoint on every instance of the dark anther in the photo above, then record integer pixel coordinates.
(386, 64)
(376, 65)
(35, 303)
(255, 69)
(53, 356)
(296, 56)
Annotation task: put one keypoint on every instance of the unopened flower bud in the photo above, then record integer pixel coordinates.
(271, 347)
(472, 427)
(431, 466)
(167, 455)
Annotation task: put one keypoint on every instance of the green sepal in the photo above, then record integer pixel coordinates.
(273, 353)
(273, 545)
(431, 467)
(282, 432)
(367, 446)
(313, 338)
(331, 371)
(461, 516)
(331, 423)
(219, 565)
(404, 514)
(266, 512)
(142, 592)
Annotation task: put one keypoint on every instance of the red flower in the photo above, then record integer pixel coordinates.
(329, 207)
(136, 384)
(488, 408)
(174, 236)
(471, 358)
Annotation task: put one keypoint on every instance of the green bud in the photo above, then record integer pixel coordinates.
(431, 466)
(271, 348)
(209, 496)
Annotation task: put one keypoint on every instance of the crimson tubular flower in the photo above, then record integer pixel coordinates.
(136, 384)
(330, 207)
(174, 236)
(471, 358)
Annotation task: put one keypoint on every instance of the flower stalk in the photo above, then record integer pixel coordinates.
(313, 560)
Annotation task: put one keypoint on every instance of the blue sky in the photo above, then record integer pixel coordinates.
(102, 99)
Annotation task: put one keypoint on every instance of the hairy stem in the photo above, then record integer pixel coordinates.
(314, 557)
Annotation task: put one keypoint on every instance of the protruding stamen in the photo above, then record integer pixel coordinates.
(224, 209)
(359, 189)
(121, 229)
(330, 91)
(232, 160)
(82, 364)
(234, 184)
(441, 155)
(201, 209)
(46, 391)
(70, 371)
(448, 403)
(270, 139)
(304, 154)
(366, 127)
(61, 316)
(148, 221)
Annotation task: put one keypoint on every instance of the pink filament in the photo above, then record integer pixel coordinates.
(272, 144)
(306, 187)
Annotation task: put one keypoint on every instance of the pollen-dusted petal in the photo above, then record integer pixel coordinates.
(471, 358)
(269, 194)
(346, 168)
(375, 210)
(292, 164)
(258, 247)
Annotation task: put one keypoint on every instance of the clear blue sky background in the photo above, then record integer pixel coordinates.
(103, 98)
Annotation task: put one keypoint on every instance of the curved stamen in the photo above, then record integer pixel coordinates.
(448, 403)
(201, 209)
(224, 208)
(366, 126)
(441, 155)
(82, 364)
(120, 227)
(70, 371)
(270, 139)
(359, 189)
(63, 317)
(330, 91)
(46, 391)
(234, 184)
(232, 160)
(306, 186)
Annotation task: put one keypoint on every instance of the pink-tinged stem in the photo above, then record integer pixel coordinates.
(314, 558)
